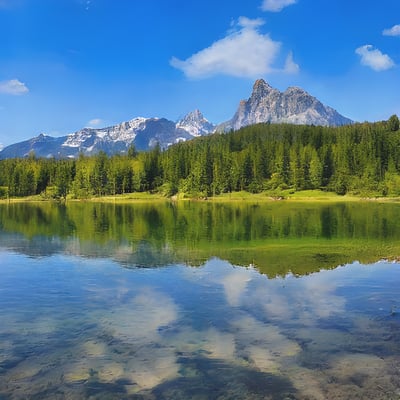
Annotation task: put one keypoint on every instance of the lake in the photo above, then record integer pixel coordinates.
(200, 301)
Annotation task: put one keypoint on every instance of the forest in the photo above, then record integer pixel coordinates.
(361, 159)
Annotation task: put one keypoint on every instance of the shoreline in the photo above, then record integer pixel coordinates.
(234, 197)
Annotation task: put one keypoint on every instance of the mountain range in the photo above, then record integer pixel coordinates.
(265, 104)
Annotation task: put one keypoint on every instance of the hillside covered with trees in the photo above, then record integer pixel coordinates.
(362, 159)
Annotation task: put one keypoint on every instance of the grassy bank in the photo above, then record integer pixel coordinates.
(284, 195)
(287, 195)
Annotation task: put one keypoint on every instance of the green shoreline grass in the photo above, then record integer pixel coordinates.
(287, 195)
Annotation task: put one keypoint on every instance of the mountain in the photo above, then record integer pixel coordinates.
(196, 124)
(42, 145)
(265, 104)
(144, 133)
(294, 106)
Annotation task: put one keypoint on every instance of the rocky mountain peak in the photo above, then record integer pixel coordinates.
(295, 90)
(294, 105)
(261, 83)
(195, 115)
(195, 123)
(261, 88)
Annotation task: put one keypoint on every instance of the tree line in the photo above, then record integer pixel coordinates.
(362, 158)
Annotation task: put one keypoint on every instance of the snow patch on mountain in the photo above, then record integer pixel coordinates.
(123, 132)
(195, 124)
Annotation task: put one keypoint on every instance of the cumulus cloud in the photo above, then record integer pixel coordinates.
(393, 31)
(374, 58)
(276, 5)
(13, 87)
(244, 52)
(95, 123)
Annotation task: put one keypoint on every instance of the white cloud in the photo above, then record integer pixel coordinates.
(249, 23)
(374, 58)
(235, 284)
(95, 123)
(138, 322)
(290, 66)
(276, 5)
(393, 31)
(244, 52)
(14, 87)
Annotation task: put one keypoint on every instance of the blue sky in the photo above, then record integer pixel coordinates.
(66, 64)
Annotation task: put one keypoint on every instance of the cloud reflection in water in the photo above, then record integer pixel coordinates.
(103, 327)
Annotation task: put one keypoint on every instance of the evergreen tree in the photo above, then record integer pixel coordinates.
(64, 177)
(99, 176)
(394, 123)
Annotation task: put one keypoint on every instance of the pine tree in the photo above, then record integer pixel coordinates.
(394, 123)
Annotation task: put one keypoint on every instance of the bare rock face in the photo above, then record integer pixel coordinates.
(294, 106)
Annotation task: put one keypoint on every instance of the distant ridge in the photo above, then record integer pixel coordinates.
(144, 133)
